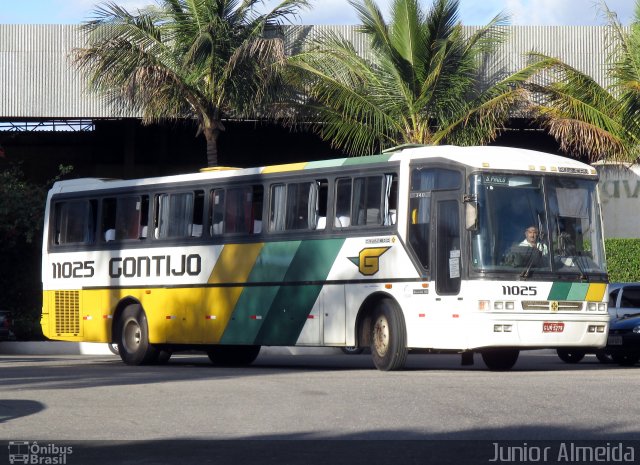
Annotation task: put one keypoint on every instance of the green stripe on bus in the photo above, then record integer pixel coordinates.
(254, 302)
(368, 159)
(292, 305)
(559, 291)
(325, 163)
(578, 291)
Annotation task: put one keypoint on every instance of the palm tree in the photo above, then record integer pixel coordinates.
(586, 118)
(420, 83)
(202, 59)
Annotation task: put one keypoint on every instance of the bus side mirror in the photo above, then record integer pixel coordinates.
(471, 213)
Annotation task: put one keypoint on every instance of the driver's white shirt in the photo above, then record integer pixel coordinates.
(540, 246)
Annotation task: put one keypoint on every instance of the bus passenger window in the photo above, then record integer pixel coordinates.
(367, 197)
(343, 203)
(124, 218)
(75, 222)
(179, 215)
(298, 206)
(216, 215)
(243, 210)
(390, 206)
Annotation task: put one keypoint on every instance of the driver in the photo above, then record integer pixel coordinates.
(531, 239)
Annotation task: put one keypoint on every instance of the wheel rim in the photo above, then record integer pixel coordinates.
(381, 336)
(132, 336)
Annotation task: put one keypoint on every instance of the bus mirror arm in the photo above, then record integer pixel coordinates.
(471, 212)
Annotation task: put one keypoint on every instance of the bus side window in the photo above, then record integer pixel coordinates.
(322, 192)
(298, 206)
(390, 200)
(343, 203)
(243, 210)
(367, 198)
(216, 214)
(125, 218)
(75, 222)
(179, 215)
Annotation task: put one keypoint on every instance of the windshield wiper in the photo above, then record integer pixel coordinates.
(534, 256)
(578, 259)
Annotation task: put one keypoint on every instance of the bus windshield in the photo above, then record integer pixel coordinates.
(531, 224)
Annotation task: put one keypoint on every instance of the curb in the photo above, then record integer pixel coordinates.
(94, 348)
(53, 348)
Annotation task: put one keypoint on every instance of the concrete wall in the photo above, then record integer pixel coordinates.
(620, 196)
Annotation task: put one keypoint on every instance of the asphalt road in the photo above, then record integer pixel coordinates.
(317, 398)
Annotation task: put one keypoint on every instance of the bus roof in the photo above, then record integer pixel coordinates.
(480, 157)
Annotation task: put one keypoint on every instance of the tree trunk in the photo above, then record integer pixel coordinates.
(211, 134)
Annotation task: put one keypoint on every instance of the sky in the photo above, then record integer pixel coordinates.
(472, 12)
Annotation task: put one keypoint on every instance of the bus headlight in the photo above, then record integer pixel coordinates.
(504, 305)
(636, 329)
(596, 306)
(502, 328)
(484, 305)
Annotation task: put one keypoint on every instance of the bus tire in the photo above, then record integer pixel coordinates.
(500, 359)
(388, 337)
(163, 356)
(233, 356)
(113, 348)
(570, 356)
(133, 337)
(352, 350)
(603, 356)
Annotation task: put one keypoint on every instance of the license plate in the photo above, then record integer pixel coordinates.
(614, 340)
(552, 327)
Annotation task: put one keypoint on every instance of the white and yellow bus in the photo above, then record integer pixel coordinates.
(420, 249)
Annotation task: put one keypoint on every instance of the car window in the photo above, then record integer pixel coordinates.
(630, 297)
(613, 297)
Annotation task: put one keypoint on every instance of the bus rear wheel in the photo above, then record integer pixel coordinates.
(133, 337)
(388, 337)
(231, 356)
(500, 359)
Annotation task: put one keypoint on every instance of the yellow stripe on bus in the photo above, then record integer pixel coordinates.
(233, 266)
(283, 168)
(596, 292)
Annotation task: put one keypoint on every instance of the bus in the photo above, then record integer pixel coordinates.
(420, 249)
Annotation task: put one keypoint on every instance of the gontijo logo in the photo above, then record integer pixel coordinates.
(368, 261)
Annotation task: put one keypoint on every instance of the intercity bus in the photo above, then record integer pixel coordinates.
(420, 249)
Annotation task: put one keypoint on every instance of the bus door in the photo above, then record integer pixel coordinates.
(446, 251)
(446, 260)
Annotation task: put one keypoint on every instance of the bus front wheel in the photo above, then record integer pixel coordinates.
(133, 337)
(500, 359)
(570, 356)
(388, 337)
(233, 355)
